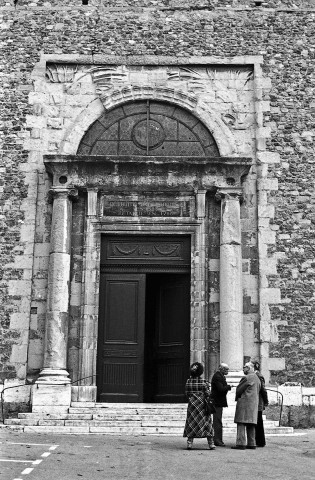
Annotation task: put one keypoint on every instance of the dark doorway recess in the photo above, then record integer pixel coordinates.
(144, 329)
(167, 336)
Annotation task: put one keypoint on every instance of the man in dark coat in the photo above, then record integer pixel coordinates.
(246, 413)
(219, 389)
(263, 402)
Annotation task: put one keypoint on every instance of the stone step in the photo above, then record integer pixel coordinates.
(127, 419)
(125, 430)
(35, 420)
(117, 416)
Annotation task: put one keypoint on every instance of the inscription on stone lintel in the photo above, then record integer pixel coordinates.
(146, 208)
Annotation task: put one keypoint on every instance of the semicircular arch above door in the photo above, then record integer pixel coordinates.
(148, 128)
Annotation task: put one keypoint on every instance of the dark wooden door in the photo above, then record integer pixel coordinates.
(167, 337)
(121, 338)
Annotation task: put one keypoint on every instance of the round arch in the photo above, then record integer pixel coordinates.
(97, 108)
(148, 128)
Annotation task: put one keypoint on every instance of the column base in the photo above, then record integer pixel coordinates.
(53, 376)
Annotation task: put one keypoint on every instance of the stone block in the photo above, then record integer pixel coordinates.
(51, 398)
(270, 295)
(83, 393)
(266, 211)
(267, 236)
(267, 184)
(292, 394)
(268, 157)
(276, 363)
(19, 353)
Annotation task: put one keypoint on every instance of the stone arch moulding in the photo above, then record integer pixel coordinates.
(221, 133)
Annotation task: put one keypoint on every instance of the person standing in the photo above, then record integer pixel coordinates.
(198, 423)
(219, 389)
(246, 413)
(263, 402)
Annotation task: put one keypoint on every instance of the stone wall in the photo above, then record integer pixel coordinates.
(283, 36)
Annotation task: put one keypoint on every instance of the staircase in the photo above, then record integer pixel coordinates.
(122, 419)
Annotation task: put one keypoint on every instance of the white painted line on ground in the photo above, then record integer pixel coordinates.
(285, 434)
(53, 447)
(18, 461)
(27, 471)
(39, 444)
(37, 462)
(45, 454)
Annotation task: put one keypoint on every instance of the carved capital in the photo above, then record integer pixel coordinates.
(229, 193)
(59, 192)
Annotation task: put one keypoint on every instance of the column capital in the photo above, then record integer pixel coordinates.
(229, 193)
(57, 192)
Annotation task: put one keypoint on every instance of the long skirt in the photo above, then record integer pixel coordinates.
(198, 424)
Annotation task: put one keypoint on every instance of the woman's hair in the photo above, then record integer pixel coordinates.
(196, 369)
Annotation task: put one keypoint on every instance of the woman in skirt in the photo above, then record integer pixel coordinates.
(198, 423)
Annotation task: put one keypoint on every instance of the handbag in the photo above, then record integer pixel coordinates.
(209, 406)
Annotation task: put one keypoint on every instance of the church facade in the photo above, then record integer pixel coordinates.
(157, 195)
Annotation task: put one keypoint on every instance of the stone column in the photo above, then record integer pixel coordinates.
(231, 295)
(55, 372)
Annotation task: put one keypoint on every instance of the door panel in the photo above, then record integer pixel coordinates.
(167, 337)
(121, 338)
(173, 338)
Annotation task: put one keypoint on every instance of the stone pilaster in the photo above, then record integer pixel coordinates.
(231, 296)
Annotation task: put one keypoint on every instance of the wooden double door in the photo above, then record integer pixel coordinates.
(144, 336)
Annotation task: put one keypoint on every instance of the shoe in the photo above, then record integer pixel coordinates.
(189, 445)
(251, 447)
(238, 447)
(260, 446)
(219, 444)
(211, 446)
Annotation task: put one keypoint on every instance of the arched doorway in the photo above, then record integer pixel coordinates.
(144, 328)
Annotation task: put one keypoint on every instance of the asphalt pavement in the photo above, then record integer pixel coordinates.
(93, 457)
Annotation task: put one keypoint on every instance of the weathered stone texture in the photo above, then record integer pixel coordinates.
(285, 40)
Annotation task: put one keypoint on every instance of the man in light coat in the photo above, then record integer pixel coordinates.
(247, 397)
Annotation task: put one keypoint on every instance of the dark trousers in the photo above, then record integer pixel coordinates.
(217, 425)
(260, 432)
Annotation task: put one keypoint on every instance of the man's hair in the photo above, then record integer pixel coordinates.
(223, 366)
(249, 365)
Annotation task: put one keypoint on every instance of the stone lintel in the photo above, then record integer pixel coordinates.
(188, 173)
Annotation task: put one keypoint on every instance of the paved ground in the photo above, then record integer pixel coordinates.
(94, 457)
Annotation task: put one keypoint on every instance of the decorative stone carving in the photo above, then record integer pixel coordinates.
(233, 120)
(61, 73)
(182, 73)
(222, 73)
